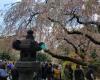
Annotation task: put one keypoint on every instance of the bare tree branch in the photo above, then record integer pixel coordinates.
(46, 1)
(52, 20)
(76, 32)
(85, 22)
(78, 19)
(75, 48)
(31, 17)
(66, 58)
(86, 35)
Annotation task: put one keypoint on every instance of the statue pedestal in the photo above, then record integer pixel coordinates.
(26, 69)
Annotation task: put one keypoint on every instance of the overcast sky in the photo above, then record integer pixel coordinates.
(4, 6)
(5, 2)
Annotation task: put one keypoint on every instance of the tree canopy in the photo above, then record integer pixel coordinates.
(72, 23)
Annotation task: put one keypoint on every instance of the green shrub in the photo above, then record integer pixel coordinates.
(4, 56)
(43, 57)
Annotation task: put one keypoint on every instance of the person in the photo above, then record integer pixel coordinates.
(57, 73)
(10, 66)
(49, 72)
(44, 71)
(78, 73)
(14, 73)
(68, 72)
(3, 72)
(90, 75)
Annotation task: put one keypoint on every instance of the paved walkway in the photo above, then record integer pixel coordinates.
(8, 79)
(98, 78)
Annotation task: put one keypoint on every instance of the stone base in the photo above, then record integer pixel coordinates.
(26, 69)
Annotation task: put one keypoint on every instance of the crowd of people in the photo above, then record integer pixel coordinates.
(79, 73)
(54, 72)
(49, 71)
(8, 71)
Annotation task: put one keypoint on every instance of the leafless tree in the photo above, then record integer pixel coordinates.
(54, 19)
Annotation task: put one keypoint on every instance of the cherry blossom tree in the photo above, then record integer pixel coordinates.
(56, 22)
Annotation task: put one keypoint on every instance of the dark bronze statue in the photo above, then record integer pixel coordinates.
(28, 47)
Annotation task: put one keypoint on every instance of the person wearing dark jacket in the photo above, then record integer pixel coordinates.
(90, 75)
(68, 72)
(14, 74)
(78, 73)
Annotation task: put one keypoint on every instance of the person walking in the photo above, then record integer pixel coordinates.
(57, 73)
(49, 71)
(78, 73)
(68, 72)
(90, 74)
(44, 71)
(14, 73)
